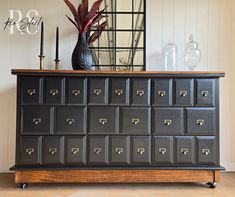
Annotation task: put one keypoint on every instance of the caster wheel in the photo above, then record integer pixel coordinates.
(212, 185)
(23, 185)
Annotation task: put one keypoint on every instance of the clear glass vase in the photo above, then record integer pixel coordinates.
(192, 54)
(169, 56)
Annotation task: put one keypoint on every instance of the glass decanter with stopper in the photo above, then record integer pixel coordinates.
(192, 54)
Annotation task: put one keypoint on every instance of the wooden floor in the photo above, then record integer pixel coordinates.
(225, 189)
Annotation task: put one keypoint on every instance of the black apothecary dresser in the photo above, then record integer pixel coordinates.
(117, 127)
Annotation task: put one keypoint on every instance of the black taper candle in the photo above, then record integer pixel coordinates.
(57, 44)
(42, 40)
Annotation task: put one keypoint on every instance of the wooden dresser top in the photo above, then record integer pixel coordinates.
(34, 72)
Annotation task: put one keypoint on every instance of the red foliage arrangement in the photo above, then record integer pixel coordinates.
(85, 20)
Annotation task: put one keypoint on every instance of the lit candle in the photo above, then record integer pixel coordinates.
(42, 40)
(57, 44)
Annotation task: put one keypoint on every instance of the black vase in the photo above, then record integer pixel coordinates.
(82, 57)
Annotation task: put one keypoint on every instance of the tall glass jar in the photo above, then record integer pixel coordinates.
(169, 56)
(192, 54)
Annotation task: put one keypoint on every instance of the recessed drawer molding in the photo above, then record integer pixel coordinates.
(205, 89)
(135, 120)
(168, 121)
(31, 90)
(184, 92)
(53, 90)
(201, 121)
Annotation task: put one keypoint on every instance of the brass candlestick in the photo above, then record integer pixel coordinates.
(57, 64)
(41, 57)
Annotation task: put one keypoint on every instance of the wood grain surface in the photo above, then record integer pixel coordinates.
(115, 176)
(20, 71)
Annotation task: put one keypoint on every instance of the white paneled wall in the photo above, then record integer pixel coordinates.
(211, 21)
(175, 20)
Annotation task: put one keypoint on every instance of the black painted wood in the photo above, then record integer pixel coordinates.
(150, 124)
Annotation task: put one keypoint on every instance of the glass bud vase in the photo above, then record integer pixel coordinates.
(169, 56)
(192, 54)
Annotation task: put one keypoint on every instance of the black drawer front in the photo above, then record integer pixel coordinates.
(141, 150)
(98, 91)
(31, 90)
(184, 89)
(35, 120)
(70, 120)
(76, 91)
(135, 120)
(140, 92)
(205, 92)
(103, 120)
(201, 121)
(162, 92)
(119, 94)
(53, 90)
(163, 152)
(30, 150)
(185, 147)
(120, 150)
(168, 121)
(53, 147)
(98, 150)
(75, 150)
(207, 150)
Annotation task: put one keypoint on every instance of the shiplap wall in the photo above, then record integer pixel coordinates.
(211, 21)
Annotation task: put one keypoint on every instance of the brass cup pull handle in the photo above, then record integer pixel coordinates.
(29, 151)
(183, 93)
(162, 93)
(97, 92)
(167, 122)
(76, 92)
(140, 92)
(184, 151)
(70, 121)
(135, 121)
(200, 122)
(162, 151)
(103, 121)
(31, 92)
(52, 151)
(141, 151)
(75, 151)
(119, 151)
(97, 151)
(54, 92)
(37, 121)
(118, 92)
(205, 93)
(206, 151)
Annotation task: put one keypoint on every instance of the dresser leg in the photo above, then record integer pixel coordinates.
(217, 176)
